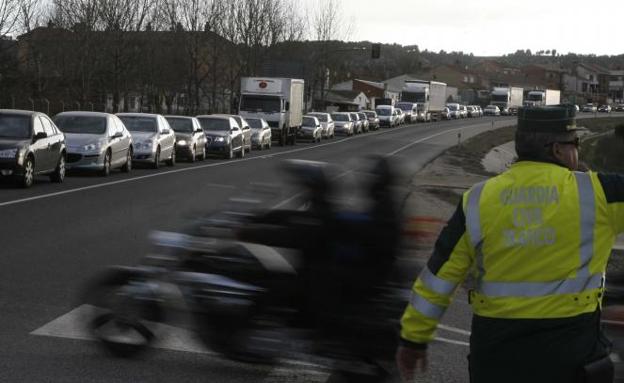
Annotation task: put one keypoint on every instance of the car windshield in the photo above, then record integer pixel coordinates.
(370, 114)
(214, 124)
(180, 125)
(140, 123)
(252, 103)
(309, 121)
(453, 107)
(81, 124)
(490, 107)
(340, 117)
(14, 126)
(404, 106)
(255, 123)
(384, 112)
(321, 117)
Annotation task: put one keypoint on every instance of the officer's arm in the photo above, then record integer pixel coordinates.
(432, 291)
(613, 186)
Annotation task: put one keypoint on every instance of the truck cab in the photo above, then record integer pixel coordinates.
(279, 101)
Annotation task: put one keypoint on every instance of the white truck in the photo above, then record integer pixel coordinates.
(430, 96)
(508, 99)
(277, 100)
(543, 97)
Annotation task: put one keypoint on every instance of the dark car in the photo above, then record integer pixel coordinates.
(190, 138)
(30, 144)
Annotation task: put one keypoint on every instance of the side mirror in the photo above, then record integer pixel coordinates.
(166, 131)
(40, 136)
(118, 135)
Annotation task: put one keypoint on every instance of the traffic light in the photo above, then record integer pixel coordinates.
(376, 51)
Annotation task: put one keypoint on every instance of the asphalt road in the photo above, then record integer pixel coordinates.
(55, 237)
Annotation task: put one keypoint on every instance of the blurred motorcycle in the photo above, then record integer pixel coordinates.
(257, 285)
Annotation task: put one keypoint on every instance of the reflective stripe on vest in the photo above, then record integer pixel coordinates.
(425, 307)
(436, 284)
(583, 281)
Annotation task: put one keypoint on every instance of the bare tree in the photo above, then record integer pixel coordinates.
(8, 16)
(31, 13)
(328, 24)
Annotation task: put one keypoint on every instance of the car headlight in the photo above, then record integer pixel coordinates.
(92, 147)
(220, 139)
(146, 144)
(8, 153)
(182, 143)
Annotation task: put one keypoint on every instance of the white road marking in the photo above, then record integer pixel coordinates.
(452, 341)
(454, 329)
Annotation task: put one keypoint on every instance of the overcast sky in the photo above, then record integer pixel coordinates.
(490, 27)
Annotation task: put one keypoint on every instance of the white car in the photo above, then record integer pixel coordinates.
(343, 123)
(410, 109)
(152, 137)
(591, 108)
(491, 110)
(327, 123)
(454, 110)
(260, 133)
(387, 116)
(310, 129)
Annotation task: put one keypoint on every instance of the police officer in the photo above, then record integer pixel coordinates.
(536, 240)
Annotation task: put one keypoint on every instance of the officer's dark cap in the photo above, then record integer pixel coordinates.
(547, 119)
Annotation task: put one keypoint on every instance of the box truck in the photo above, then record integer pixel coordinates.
(429, 95)
(543, 97)
(277, 100)
(508, 99)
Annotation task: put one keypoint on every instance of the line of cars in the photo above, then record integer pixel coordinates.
(32, 143)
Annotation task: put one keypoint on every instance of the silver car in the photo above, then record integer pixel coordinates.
(190, 137)
(246, 129)
(343, 123)
(95, 141)
(153, 138)
(310, 129)
(364, 119)
(327, 123)
(223, 135)
(260, 133)
(357, 123)
(373, 119)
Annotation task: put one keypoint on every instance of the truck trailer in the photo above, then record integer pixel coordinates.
(277, 100)
(543, 97)
(508, 99)
(430, 96)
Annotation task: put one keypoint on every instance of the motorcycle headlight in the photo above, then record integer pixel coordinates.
(8, 153)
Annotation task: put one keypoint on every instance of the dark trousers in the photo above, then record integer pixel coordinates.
(535, 350)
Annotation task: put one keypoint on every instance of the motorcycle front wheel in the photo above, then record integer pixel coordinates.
(124, 317)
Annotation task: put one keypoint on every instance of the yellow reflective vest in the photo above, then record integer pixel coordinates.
(536, 239)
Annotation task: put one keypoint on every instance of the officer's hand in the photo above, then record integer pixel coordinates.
(409, 360)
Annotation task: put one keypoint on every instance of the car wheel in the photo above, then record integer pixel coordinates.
(193, 156)
(29, 173)
(172, 160)
(156, 163)
(105, 172)
(128, 165)
(59, 173)
(282, 138)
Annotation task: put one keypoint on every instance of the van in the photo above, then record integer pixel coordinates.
(387, 116)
